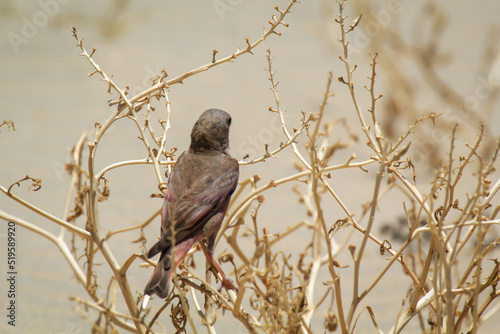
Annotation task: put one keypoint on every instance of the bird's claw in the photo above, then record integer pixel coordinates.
(228, 285)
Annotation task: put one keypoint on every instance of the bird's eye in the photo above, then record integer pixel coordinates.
(229, 121)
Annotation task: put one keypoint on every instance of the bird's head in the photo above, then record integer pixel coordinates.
(211, 132)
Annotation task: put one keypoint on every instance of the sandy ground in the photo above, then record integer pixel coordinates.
(45, 90)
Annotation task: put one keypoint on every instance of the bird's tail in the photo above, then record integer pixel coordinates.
(158, 284)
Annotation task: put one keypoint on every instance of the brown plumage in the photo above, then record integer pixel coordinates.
(199, 189)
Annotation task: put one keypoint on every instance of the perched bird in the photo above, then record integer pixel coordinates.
(199, 189)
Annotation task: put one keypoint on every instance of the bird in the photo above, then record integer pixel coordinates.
(199, 188)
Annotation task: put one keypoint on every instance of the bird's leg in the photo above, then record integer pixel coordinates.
(227, 283)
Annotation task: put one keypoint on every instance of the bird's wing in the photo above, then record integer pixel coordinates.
(189, 207)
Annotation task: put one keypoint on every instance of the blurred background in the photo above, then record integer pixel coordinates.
(435, 56)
